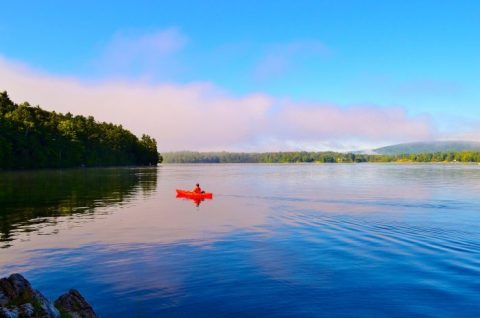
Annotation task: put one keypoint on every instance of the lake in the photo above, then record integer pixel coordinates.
(343, 240)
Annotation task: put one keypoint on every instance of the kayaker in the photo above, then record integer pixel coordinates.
(198, 189)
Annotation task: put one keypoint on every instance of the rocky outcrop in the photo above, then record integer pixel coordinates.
(74, 304)
(19, 299)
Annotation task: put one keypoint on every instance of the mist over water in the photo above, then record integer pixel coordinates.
(299, 240)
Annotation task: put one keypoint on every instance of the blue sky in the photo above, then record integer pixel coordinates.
(420, 56)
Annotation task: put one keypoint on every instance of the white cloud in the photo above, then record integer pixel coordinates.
(367, 122)
(199, 116)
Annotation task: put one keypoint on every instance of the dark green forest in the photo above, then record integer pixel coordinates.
(318, 157)
(31, 138)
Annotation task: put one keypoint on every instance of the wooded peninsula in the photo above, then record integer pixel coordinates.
(31, 137)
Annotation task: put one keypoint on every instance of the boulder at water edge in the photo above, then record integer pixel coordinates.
(19, 299)
(74, 304)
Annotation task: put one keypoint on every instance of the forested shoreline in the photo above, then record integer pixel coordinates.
(314, 157)
(32, 138)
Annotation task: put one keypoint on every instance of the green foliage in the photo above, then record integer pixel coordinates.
(34, 138)
(317, 157)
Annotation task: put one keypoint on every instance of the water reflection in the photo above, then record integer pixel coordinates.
(32, 200)
(195, 201)
(278, 240)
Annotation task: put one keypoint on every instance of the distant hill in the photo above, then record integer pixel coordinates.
(427, 147)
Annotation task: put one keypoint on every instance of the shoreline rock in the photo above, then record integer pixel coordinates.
(19, 299)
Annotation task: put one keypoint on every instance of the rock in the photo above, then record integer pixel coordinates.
(21, 286)
(16, 289)
(46, 306)
(17, 293)
(6, 291)
(27, 310)
(8, 313)
(75, 305)
(19, 299)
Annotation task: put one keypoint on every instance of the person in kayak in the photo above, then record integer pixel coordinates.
(198, 189)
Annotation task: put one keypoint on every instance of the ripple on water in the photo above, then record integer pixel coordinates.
(347, 240)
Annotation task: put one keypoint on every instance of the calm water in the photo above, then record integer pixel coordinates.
(365, 240)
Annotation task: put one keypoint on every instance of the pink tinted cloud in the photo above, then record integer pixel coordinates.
(364, 122)
(200, 116)
(193, 116)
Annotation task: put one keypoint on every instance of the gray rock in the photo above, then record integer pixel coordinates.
(15, 288)
(19, 299)
(47, 308)
(6, 291)
(17, 294)
(8, 313)
(21, 286)
(75, 305)
(27, 310)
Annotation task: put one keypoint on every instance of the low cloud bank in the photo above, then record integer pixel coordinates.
(200, 116)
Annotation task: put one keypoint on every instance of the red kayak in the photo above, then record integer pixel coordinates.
(194, 195)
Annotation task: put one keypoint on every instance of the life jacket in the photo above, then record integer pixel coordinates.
(197, 190)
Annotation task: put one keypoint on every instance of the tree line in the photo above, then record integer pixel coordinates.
(31, 137)
(317, 157)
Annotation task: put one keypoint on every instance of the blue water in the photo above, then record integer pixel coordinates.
(340, 240)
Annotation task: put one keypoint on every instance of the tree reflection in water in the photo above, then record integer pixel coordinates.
(32, 198)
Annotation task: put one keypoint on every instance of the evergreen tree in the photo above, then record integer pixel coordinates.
(31, 137)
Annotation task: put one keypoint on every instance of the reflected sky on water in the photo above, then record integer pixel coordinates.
(276, 240)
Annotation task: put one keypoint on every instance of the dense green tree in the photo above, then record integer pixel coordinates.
(31, 137)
